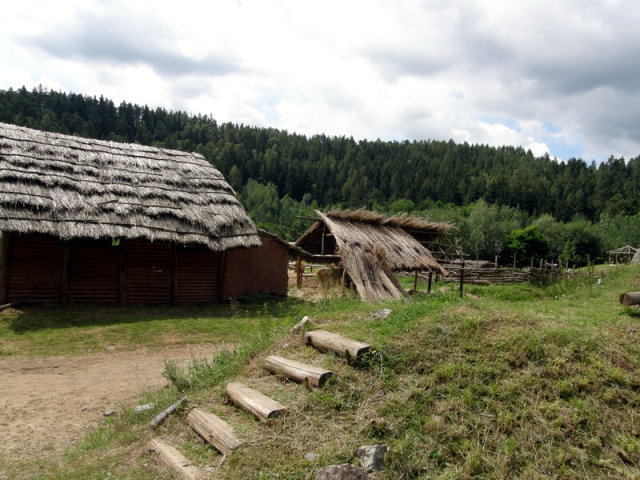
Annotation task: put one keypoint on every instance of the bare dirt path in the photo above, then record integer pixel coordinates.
(46, 404)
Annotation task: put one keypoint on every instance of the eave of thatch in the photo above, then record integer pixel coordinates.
(73, 187)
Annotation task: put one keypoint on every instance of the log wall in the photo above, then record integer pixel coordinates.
(256, 270)
(44, 269)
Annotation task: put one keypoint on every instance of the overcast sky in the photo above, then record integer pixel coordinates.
(558, 77)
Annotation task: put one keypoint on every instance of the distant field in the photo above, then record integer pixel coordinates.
(514, 381)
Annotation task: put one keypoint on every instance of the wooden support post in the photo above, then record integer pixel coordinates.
(173, 460)
(629, 298)
(64, 284)
(333, 342)
(254, 402)
(496, 262)
(214, 431)
(298, 272)
(429, 284)
(462, 280)
(531, 263)
(515, 255)
(5, 249)
(296, 371)
(415, 280)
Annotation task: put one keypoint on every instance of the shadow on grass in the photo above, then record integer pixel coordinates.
(37, 317)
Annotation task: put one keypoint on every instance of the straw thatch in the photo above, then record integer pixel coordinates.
(73, 187)
(372, 246)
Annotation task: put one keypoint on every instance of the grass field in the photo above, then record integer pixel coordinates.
(508, 382)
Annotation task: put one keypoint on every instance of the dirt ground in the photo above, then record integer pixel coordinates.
(46, 404)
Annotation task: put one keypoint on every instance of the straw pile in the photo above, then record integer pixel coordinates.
(72, 187)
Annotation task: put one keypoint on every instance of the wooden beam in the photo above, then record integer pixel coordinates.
(173, 460)
(5, 250)
(333, 342)
(214, 431)
(254, 402)
(296, 371)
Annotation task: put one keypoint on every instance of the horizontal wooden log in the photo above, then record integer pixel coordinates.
(163, 415)
(173, 460)
(297, 371)
(254, 401)
(630, 298)
(333, 342)
(214, 430)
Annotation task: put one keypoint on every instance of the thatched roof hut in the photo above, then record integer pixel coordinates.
(372, 246)
(627, 253)
(72, 187)
(84, 221)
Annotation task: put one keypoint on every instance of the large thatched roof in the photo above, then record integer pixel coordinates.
(73, 187)
(372, 246)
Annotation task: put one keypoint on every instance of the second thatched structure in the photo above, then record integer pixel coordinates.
(371, 247)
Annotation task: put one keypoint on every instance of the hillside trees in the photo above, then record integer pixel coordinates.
(488, 191)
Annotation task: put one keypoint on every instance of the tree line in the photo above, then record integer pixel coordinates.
(488, 191)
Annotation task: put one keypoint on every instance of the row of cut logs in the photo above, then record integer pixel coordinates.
(221, 435)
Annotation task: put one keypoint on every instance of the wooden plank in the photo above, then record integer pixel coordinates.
(5, 239)
(64, 282)
(173, 460)
(297, 371)
(333, 342)
(214, 431)
(254, 401)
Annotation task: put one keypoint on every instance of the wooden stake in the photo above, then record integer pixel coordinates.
(415, 280)
(175, 461)
(328, 341)
(214, 431)
(296, 371)
(461, 280)
(64, 282)
(162, 415)
(429, 284)
(254, 401)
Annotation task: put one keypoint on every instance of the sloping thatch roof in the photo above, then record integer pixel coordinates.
(626, 250)
(73, 187)
(372, 246)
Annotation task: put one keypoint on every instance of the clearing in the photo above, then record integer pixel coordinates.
(49, 403)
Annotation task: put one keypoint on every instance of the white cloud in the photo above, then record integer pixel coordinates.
(547, 76)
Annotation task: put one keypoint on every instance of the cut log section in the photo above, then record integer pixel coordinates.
(173, 460)
(333, 342)
(297, 371)
(214, 430)
(630, 298)
(254, 401)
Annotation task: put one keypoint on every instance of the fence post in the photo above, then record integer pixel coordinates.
(461, 279)
(429, 286)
